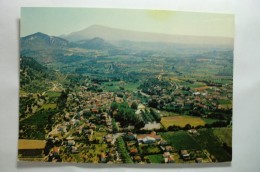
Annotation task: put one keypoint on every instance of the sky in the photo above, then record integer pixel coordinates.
(57, 21)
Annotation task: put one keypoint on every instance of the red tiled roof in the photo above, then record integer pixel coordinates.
(149, 135)
(133, 150)
(103, 155)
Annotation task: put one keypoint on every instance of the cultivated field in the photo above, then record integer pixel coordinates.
(181, 121)
(181, 140)
(210, 142)
(224, 135)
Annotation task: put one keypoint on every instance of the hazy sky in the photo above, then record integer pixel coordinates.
(58, 21)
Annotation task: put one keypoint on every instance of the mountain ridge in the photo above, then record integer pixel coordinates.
(115, 34)
(48, 49)
(95, 43)
(41, 40)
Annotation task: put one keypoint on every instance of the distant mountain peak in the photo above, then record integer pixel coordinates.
(35, 35)
(40, 33)
(94, 43)
(96, 26)
(116, 34)
(41, 40)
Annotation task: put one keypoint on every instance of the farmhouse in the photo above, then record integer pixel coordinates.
(163, 143)
(166, 154)
(28, 148)
(133, 151)
(74, 150)
(130, 136)
(137, 158)
(56, 151)
(62, 129)
(94, 110)
(168, 148)
(141, 107)
(168, 157)
(198, 160)
(148, 138)
(103, 157)
(71, 143)
(108, 138)
(193, 131)
(185, 155)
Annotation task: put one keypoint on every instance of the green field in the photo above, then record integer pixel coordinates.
(34, 125)
(224, 101)
(98, 135)
(49, 106)
(131, 86)
(209, 120)
(158, 158)
(206, 140)
(86, 153)
(151, 149)
(115, 86)
(209, 141)
(53, 94)
(193, 85)
(181, 140)
(224, 135)
(110, 86)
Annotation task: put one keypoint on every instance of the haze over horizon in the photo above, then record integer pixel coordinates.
(62, 21)
(115, 34)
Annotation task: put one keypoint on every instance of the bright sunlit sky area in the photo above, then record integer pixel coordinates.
(58, 21)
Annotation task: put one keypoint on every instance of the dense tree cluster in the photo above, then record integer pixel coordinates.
(114, 126)
(154, 86)
(33, 75)
(150, 116)
(156, 115)
(126, 115)
(134, 105)
(217, 124)
(123, 151)
(62, 100)
(37, 125)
